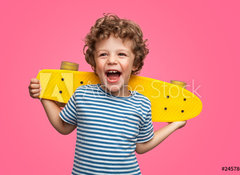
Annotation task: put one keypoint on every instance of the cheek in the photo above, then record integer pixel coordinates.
(99, 67)
(128, 66)
(98, 70)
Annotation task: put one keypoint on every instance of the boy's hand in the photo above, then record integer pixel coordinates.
(178, 124)
(159, 136)
(34, 88)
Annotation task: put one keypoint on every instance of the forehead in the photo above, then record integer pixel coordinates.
(113, 43)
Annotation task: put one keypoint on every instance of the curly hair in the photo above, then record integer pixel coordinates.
(125, 29)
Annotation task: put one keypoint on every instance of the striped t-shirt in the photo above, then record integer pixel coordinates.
(108, 128)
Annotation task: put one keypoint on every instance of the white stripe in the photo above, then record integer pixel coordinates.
(111, 117)
(103, 153)
(132, 146)
(106, 141)
(104, 101)
(107, 107)
(101, 101)
(89, 154)
(119, 129)
(106, 170)
(108, 161)
(104, 149)
(124, 121)
(112, 166)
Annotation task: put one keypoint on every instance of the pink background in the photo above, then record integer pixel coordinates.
(188, 41)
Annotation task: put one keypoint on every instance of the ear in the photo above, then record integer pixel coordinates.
(93, 68)
(134, 68)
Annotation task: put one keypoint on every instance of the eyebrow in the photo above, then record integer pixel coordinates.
(117, 50)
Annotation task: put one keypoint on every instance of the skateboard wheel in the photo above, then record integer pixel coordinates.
(179, 83)
(65, 65)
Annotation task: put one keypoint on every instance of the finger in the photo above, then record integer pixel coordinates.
(34, 81)
(34, 91)
(35, 95)
(34, 86)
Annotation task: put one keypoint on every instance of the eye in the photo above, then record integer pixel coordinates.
(103, 54)
(122, 54)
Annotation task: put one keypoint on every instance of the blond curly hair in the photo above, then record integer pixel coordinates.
(125, 29)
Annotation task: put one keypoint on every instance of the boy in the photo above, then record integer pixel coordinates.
(112, 121)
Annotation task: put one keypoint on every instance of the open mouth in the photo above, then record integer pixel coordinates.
(113, 75)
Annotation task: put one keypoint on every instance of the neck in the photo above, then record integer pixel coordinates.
(124, 92)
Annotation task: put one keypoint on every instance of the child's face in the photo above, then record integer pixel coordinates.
(114, 64)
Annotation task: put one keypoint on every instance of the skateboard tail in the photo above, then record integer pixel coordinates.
(170, 102)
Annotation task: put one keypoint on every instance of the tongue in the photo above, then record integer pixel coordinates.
(113, 76)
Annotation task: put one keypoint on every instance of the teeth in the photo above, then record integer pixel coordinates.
(112, 71)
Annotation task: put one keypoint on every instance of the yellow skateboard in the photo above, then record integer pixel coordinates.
(170, 101)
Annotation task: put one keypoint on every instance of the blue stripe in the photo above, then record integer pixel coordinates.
(105, 163)
(66, 119)
(107, 143)
(106, 110)
(98, 154)
(138, 99)
(133, 158)
(106, 106)
(102, 125)
(108, 168)
(111, 139)
(119, 122)
(113, 116)
(100, 133)
(104, 172)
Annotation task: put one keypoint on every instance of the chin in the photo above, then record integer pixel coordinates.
(113, 88)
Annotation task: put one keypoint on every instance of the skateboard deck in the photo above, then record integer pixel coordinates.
(170, 102)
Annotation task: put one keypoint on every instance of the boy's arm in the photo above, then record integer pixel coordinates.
(52, 110)
(159, 136)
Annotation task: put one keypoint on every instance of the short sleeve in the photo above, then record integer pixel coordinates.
(69, 112)
(146, 130)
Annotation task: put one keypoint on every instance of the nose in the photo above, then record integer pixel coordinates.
(112, 60)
